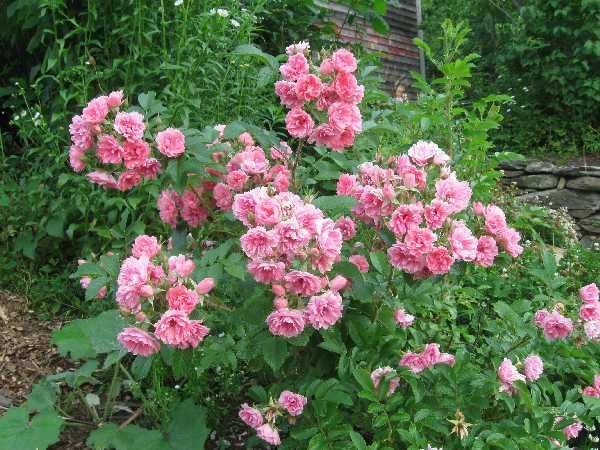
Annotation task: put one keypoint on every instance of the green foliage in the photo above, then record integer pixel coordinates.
(545, 54)
(33, 425)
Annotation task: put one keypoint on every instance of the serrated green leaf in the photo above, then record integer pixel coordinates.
(19, 432)
(335, 204)
(188, 426)
(141, 366)
(275, 352)
(132, 437)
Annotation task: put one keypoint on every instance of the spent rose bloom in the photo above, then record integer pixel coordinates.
(360, 262)
(293, 403)
(286, 322)
(250, 416)
(403, 319)
(508, 374)
(533, 367)
(171, 142)
(380, 373)
(103, 179)
(138, 341)
(573, 430)
(268, 434)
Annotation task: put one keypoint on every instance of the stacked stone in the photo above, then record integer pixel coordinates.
(576, 188)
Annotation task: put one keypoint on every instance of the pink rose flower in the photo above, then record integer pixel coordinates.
(293, 403)
(268, 434)
(246, 139)
(592, 329)
(436, 213)
(557, 326)
(589, 293)
(360, 262)
(540, 317)
(534, 367)
(487, 250)
(103, 179)
(344, 115)
(439, 261)
(135, 154)
(495, 220)
(81, 133)
(430, 356)
(266, 271)
(145, 245)
(223, 197)
(168, 203)
(267, 212)
(573, 430)
(108, 150)
(138, 342)
(286, 322)
(128, 180)
(343, 61)
(401, 257)
(380, 373)
(205, 286)
(463, 243)
(510, 240)
(406, 217)
(422, 152)
(250, 416)
(590, 311)
(182, 299)
(257, 242)
(508, 374)
(286, 91)
(403, 319)
(346, 184)
(171, 142)
(181, 266)
(593, 391)
(456, 193)
(295, 66)
(299, 123)
(478, 208)
(338, 283)
(236, 180)
(329, 238)
(149, 169)
(175, 329)
(326, 67)
(347, 227)
(345, 86)
(130, 125)
(280, 303)
(302, 283)
(253, 161)
(191, 210)
(323, 311)
(308, 87)
(96, 110)
(76, 161)
(114, 99)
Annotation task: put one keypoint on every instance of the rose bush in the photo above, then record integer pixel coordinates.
(390, 315)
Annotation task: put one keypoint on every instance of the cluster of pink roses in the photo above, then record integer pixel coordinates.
(557, 326)
(112, 143)
(284, 235)
(263, 419)
(429, 238)
(429, 357)
(331, 91)
(533, 367)
(245, 166)
(154, 287)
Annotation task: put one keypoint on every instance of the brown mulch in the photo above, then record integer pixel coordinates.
(26, 356)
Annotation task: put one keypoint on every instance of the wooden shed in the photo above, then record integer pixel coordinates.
(399, 55)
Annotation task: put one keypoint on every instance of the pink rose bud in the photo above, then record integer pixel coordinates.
(478, 208)
(146, 291)
(140, 317)
(280, 303)
(324, 282)
(109, 253)
(205, 286)
(85, 282)
(81, 261)
(278, 290)
(338, 283)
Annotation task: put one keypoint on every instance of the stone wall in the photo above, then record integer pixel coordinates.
(575, 188)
